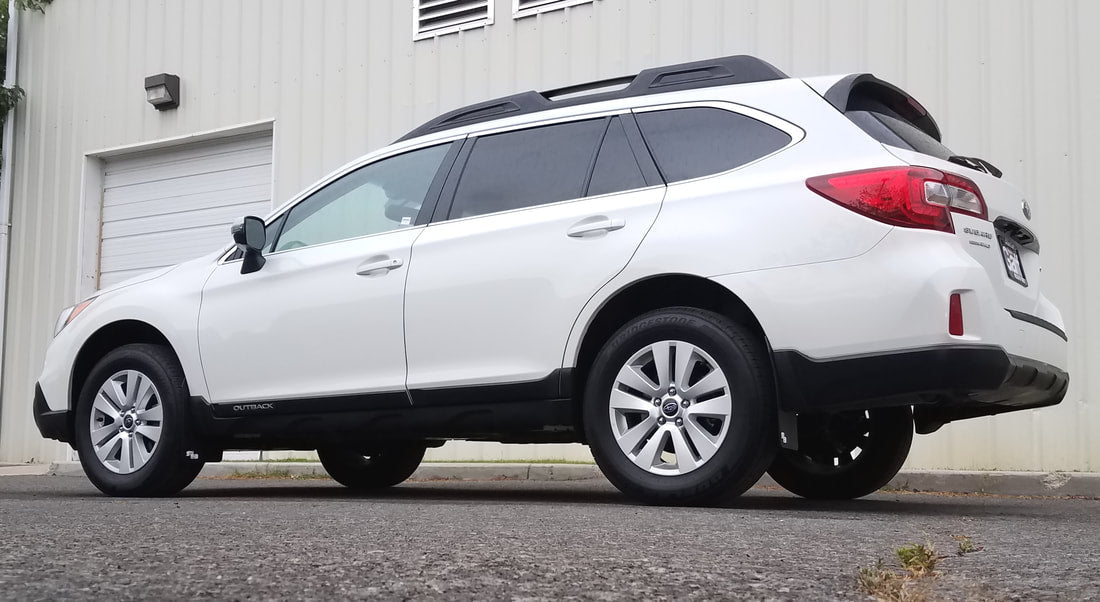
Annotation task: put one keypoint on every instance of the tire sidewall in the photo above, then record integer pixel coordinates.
(168, 458)
(752, 406)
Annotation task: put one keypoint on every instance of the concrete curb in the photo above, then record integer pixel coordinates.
(1047, 484)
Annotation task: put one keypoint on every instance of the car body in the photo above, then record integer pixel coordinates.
(469, 280)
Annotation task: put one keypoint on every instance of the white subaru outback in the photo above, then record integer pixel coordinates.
(710, 272)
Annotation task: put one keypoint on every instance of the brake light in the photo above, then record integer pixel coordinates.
(914, 197)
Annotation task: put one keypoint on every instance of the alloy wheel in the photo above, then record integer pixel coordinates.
(670, 408)
(126, 421)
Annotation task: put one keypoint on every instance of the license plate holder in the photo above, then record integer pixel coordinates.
(1013, 266)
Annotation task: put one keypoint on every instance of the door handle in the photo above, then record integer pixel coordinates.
(592, 225)
(375, 265)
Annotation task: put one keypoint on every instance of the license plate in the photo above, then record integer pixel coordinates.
(1013, 265)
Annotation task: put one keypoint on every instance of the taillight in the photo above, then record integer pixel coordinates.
(914, 197)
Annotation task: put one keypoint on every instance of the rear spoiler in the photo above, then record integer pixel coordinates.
(860, 91)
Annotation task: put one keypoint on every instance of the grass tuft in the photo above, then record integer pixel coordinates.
(965, 545)
(918, 559)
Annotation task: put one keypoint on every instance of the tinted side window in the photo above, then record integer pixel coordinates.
(694, 142)
(385, 195)
(616, 168)
(525, 168)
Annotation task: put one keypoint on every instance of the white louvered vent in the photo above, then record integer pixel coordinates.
(523, 8)
(437, 17)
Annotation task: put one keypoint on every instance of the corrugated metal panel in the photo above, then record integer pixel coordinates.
(1008, 80)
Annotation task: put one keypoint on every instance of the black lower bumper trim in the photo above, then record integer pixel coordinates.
(944, 382)
(52, 424)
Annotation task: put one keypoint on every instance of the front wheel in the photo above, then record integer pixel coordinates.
(679, 407)
(132, 431)
(845, 455)
(375, 469)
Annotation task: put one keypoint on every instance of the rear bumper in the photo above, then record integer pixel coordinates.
(52, 424)
(943, 383)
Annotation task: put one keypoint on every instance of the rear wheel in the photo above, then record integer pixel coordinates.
(845, 455)
(384, 467)
(679, 408)
(132, 431)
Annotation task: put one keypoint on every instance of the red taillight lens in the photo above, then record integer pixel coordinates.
(914, 197)
(955, 315)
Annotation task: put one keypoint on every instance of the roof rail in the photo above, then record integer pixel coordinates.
(724, 71)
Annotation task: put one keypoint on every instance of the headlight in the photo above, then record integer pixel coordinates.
(69, 314)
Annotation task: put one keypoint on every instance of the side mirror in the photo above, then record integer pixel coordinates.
(250, 236)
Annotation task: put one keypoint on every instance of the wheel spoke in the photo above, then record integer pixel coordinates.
(685, 459)
(703, 441)
(132, 380)
(719, 407)
(623, 401)
(126, 458)
(650, 455)
(101, 434)
(113, 393)
(143, 454)
(153, 414)
(633, 437)
(632, 377)
(713, 381)
(685, 363)
(661, 363)
(152, 433)
(144, 393)
(107, 450)
(103, 405)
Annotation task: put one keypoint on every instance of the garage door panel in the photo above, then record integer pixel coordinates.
(258, 193)
(162, 248)
(167, 206)
(156, 160)
(167, 222)
(258, 175)
(200, 165)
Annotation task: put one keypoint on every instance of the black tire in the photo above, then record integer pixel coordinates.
(378, 469)
(170, 467)
(750, 441)
(823, 467)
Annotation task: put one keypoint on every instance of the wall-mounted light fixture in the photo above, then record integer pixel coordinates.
(163, 91)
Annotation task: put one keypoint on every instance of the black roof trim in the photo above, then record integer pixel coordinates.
(724, 71)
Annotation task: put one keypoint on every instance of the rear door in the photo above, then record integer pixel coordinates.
(539, 219)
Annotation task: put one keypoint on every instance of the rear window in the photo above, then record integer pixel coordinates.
(700, 141)
(875, 116)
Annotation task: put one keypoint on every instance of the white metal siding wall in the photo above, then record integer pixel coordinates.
(1009, 80)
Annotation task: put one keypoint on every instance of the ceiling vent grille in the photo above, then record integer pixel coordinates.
(524, 8)
(438, 17)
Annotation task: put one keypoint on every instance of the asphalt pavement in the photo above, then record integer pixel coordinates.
(254, 539)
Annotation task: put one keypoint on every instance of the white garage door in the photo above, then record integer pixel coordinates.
(167, 206)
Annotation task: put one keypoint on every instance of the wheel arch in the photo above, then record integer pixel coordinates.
(655, 292)
(107, 338)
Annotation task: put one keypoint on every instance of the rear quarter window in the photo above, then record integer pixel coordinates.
(693, 142)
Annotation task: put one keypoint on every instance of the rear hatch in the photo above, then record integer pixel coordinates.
(1004, 244)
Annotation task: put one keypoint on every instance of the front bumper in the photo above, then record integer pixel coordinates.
(53, 424)
(943, 383)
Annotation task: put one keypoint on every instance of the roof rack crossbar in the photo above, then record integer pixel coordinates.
(724, 71)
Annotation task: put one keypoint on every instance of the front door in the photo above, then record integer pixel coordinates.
(324, 317)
